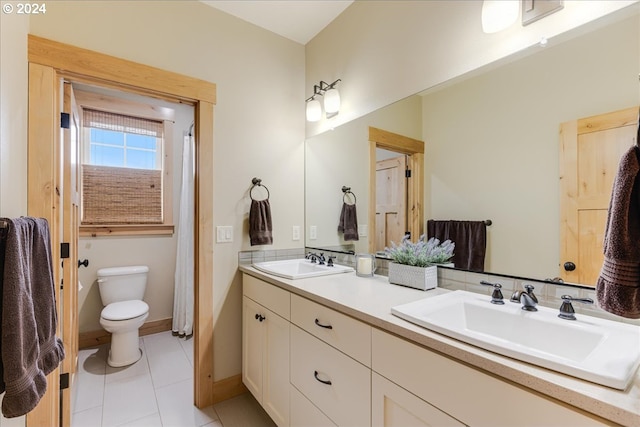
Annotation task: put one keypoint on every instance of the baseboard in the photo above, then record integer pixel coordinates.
(95, 338)
(228, 388)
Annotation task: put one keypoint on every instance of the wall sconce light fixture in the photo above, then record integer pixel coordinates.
(498, 15)
(331, 101)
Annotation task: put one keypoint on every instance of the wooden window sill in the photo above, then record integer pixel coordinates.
(126, 230)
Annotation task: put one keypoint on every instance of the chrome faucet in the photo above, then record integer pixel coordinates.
(316, 258)
(526, 297)
(496, 295)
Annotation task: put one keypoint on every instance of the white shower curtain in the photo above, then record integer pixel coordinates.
(183, 291)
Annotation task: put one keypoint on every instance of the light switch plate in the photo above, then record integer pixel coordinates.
(363, 230)
(295, 232)
(313, 232)
(224, 233)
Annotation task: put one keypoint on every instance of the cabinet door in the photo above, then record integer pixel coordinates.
(252, 347)
(393, 406)
(275, 380)
(305, 413)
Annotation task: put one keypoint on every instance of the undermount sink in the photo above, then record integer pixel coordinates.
(597, 350)
(299, 268)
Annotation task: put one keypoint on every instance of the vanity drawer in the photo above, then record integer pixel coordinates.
(314, 364)
(267, 295)
(338, 330)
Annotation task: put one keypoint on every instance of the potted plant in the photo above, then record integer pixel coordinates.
(414, 264)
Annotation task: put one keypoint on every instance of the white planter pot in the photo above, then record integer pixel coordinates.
(423, 278)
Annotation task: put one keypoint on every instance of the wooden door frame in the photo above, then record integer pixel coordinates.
(414, 149)
(50, 61)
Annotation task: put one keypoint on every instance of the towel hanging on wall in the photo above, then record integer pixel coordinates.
(260, 225)
(470, 238)
(348, 223)
(618, 287)
(29, 347)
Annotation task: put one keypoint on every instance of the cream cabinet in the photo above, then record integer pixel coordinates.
(464, 393)
(393, 406)
(306, 414)
(265, 347)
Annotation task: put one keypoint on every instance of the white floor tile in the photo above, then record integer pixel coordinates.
(187, 346)
(176, 406)
(148, 421)
(169, 367)
(127, 400)
(161, 343)
(89, 418)
(90, 379)
(141, 367)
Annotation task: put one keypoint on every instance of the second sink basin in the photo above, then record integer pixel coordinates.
(590, 348)
(299, 268)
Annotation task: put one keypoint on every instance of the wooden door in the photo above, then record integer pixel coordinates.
(391, 201)
(70, 226)
(590, 150)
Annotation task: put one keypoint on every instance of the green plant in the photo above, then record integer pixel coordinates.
(422, 253)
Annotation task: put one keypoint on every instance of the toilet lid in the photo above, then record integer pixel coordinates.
(124, 310)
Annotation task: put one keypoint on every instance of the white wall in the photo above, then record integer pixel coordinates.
(387, 50)
(493, 141)
(258, 119)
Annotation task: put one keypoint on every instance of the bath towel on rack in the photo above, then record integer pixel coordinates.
(618, 286)
(470, 238)
(28, 345)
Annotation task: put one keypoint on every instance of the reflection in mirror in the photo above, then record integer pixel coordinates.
(491, 144)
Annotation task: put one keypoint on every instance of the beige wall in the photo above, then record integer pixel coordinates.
(387, 50)
(341, 157)
(156, 252)
(13, 128)
(493, 146)
(259, 118)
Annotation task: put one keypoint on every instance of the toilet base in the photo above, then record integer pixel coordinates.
(125, 349)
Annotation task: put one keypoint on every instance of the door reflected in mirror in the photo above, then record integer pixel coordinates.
(491, 145)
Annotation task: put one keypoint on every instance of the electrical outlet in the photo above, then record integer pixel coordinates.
(313, 232)
(295, 232)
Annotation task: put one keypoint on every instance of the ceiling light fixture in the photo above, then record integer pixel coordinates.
(331, 101)
(498, 15)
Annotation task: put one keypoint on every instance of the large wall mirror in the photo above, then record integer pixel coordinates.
(492, 145)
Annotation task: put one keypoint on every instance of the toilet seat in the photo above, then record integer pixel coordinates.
(124, 310)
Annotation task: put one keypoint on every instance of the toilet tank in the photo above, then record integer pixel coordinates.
(122, 283)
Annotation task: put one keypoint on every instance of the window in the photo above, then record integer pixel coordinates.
(125, 184)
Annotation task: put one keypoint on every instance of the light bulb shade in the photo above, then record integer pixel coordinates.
(498, 15)
(332, 101)
(314, 110)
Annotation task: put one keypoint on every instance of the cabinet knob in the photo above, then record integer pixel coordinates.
(569, 266)
(260, 317)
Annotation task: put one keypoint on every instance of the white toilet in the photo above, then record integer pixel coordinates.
(121, 290)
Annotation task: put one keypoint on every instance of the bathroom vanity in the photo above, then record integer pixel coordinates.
(327, 351)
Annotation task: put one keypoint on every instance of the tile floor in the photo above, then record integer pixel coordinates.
(155, 391)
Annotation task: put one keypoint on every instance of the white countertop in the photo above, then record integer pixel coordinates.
(370, 300)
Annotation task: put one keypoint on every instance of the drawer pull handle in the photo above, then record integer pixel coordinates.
(315, 374)
(260, 317)
(323, 326)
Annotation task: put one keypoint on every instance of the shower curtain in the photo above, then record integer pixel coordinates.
(183, 291)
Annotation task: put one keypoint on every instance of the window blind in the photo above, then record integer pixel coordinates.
(121, 123)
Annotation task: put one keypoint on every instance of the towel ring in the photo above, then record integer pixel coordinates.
(347, 190)
(257, 182)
